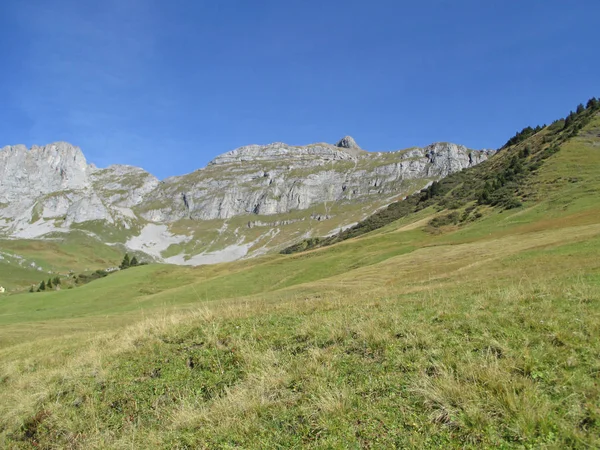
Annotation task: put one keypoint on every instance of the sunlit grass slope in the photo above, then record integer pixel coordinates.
(476, 334)
(74, 251)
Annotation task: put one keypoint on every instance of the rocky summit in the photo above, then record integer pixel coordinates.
(347, 142)
(247, 201)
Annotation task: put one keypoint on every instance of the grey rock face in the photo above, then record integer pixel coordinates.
(310, 155)
(55, 182)
(278, 178)
(123, 186)
(41, 170)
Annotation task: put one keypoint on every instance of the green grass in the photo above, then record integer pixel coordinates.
(481, 334)
(73, 251)
(14, 276)
(463, 362)
(108, 232)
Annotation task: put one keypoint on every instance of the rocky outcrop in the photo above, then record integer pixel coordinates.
(56, 182)
(350, 146)
(27, 174)
(310, 155)
(347, 142)
(123, 186)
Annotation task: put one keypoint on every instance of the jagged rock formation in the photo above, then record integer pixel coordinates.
(347, 142)
(54, 182)
(278, 178)
(41, 170)
(52, 188)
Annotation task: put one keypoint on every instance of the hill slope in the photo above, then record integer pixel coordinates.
(479, 333)
(500, 181)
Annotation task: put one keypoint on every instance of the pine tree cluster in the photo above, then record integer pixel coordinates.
(50, 284)
(127, 262)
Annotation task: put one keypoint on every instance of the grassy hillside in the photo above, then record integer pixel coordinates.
(27, 261)
(426, 332)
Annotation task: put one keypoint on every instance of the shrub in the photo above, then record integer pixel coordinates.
(447, 219)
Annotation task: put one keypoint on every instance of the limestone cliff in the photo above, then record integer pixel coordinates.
(278, 178)
(53, 189)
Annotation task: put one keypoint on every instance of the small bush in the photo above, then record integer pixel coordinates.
(447, 219)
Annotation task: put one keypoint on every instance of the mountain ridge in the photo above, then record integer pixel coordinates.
(229, 205)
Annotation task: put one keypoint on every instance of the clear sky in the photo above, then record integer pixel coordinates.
(169, 84)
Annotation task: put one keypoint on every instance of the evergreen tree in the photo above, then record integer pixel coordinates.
(134, 262)
(42, 286)
(56, 281)
(516, 165)
(592, 103)
(484, 196)
(580, 108)
(569, 120)
(49, 283)
(126, 263)
(432, 190)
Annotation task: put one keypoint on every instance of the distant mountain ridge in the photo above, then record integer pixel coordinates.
(48, 191)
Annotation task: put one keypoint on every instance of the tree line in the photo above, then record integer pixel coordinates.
(50, 284)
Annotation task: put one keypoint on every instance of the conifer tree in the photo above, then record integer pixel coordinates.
(49, 283)
(484, 196)
(569, 120)
(525, 152)
(134, 262)
(42, 286)
(126, 263)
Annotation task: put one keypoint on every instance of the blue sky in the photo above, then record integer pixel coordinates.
(168, 85)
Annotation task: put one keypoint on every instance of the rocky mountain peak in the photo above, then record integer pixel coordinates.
(347, 142)
(281, 152)
(60, 155)
(49, 188)
(28, 174)
(59, 147)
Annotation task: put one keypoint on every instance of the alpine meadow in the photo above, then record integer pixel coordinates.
(453, 303)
